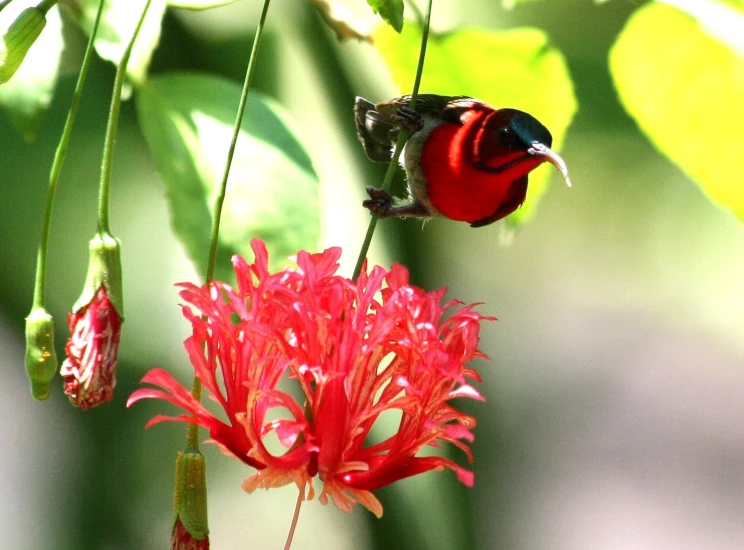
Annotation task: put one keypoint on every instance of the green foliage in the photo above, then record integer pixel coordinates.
(187, 120)
(679, 75)
(27, 96)
(511, 4)
(198, 4)
(118, 22)
(17, 40)
(391, 12)
(514, 68)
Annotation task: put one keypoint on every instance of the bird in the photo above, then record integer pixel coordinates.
(464, 159)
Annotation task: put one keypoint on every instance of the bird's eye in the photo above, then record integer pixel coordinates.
(506, 137)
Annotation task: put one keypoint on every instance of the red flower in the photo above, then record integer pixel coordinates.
(357, 350)
(90, 368)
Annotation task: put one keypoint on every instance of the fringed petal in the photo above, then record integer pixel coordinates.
(356, 349)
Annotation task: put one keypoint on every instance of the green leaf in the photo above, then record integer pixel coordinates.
(118, 21)
(27, 96)
(187, 120)
(514, 68)
(198, 4)
(511, 4)
(679, 75)
(391, 12)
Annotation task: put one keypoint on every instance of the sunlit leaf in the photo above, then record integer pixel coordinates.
(511, 4)
(342, 20)
(391, 12)
(681, 77)
(118, 21)
(198, 4)
(187, 119)
(515, 68)
(27, 96)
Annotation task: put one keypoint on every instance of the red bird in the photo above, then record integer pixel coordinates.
(465, 160)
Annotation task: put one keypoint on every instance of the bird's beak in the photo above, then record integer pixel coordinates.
(552, 157)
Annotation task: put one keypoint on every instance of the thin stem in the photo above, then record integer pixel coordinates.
(217, 214)
(402, 138)
(295, 517)
(192, 431)
(4, 4)
(46, 5)
(59, 157)
(113, 123)
(192, 434)
(422, 56)
(392, 167)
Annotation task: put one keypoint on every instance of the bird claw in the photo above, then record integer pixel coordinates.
(380, 201)
(409, 119)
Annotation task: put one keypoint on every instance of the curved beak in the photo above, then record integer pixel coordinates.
(552, 157)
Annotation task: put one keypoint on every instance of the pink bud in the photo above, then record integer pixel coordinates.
(92, 350)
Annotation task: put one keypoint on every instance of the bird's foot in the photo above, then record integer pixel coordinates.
(380, 201)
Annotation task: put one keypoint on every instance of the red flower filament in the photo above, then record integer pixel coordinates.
(356, 349)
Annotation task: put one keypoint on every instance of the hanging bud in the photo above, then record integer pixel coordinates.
(41, 359)
(190, 531)
(17, 40)
(89, 372)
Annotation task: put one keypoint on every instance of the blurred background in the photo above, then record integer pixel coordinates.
(615, 413)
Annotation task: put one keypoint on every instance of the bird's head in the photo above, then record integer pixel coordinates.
(514, 143)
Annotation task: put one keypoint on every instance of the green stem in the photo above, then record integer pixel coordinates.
(59, 157)
(46, 5)
(192, 431)
(402, 138)
(4, 4)
(217, 213)
(113, 123)
(192, 435)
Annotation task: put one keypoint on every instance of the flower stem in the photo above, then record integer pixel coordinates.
(46, 5)
(217, 213)
(59, 158)
(113, 123)
(295, 517)
(402, 138)
(192, 435)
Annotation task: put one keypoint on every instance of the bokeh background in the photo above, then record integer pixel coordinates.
(615, 413)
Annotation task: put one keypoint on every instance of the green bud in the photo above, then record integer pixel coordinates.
(104, 269)
(41, 359)
(17, 40)
(191, 493)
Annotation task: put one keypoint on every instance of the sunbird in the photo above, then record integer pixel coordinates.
(464, 159)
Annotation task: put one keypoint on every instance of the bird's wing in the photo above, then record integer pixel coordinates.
(448, 107)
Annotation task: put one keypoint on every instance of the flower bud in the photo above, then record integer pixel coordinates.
(95, 323)
(181, 539)
(41, 359)
(190, 530)
(89, 372)
(17, 40)
(104, 270)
